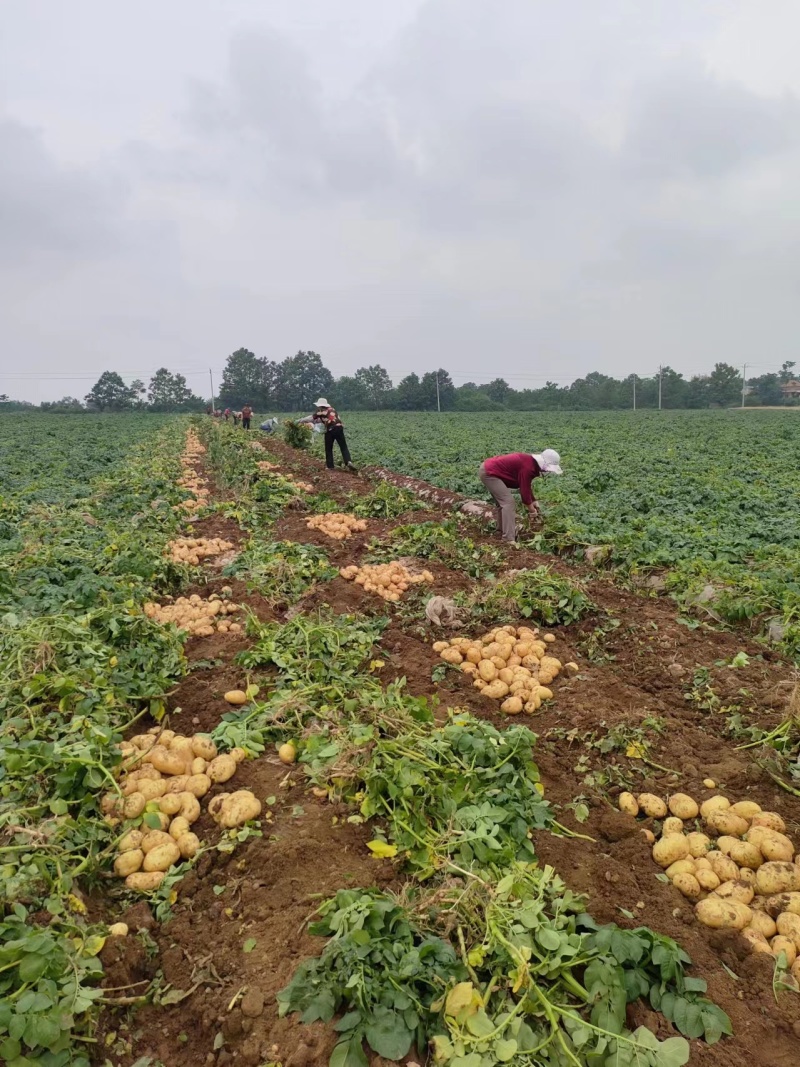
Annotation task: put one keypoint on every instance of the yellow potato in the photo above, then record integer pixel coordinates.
(170, 804)
(788, 925)
(512, 705)
(162, 858)
(236, 809)
(438, 646)
(688, 885)
(723, 866)
(652, 805)
(699, 844)
(221, 769)
(190, 807)
(118, 930)
(649, 836)
(506, 675)
(736, 890)
(773, 878)
(150, 789)
(145, 881)
(669, 849)
(180, 826)
(683, 806)
(627, 802)
(133, 839)
(700, 862)
(771, 844)
(723, 914)
(133, 806)
(178, 783)
(726, 823)
(496, 690)
(672, 826)
(167, 761)
(747, 874)
(781, 902)
(742, 853)
(474, 654)
(707, 880)
(713, 804)
(763, 924)
(487, 670)
(746, 809)
(756, 940)
(770, 819)
(785, 945)
(198, 765)
(680, 867)
(128, 862)
(188, 845)
(153, 839)
(236, 696)
(451, 655)
(199, 784)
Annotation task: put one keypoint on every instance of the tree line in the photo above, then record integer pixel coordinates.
(296, 382)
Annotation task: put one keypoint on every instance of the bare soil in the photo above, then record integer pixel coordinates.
(642, 668)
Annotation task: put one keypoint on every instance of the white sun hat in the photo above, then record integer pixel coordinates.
(321, 403)
(549, 461)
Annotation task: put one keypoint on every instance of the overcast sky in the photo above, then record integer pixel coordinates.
(502, 187)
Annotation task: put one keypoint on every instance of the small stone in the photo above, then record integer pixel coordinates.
(676, 670)
(640, 904)
(252, 1003)
(709, 783)
(195, 721)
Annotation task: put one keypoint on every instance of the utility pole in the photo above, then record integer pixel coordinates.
(659, 387)
(211, 379)
(634, 392)
(438, 402)
(744, 382)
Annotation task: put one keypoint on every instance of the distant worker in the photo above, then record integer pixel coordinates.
(269, 425)
(209, 410)
(227, 414)
(326, 417)
(501, 474)
(247, 412)
(236, 417)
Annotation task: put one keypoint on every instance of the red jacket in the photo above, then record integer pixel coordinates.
(516, 470)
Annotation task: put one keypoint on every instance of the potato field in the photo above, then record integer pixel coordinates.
(303, 768)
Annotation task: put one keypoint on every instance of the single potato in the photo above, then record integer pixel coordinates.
(773, 878)
(736, 890)
(785, 945)
(145, 881)
(672, 825)
(669, 849)
(128, 862)
(726, 823)
(162, 858)
(652, 805)
(699, 844)
(688, 885)
(723, 914)
(682, 806)
(763, 924)
(716, 803)
(627, 802)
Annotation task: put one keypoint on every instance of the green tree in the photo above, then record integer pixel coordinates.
(377, 386)
(428, 387)
(351, 394)
(65, 406)
(407, 394)
(301, 380)
(764, 389)
(786, 372)
(724, 385)
(110, 393)
(498, 390)
(247, 379)
(169, 392)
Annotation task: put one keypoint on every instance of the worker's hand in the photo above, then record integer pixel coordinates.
(533, 511)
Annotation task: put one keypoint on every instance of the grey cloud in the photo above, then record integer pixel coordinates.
(692, 125)
(46, 208)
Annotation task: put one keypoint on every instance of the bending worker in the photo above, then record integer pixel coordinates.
(326, 416)
(501, 474)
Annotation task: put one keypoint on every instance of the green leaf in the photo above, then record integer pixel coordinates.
(549, 938)
(249, 944)
(32, 967)
(479, 1024)
(389, 1036)
(505, 1049)
(349, 1053)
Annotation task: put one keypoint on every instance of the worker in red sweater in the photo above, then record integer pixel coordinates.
(501, 474)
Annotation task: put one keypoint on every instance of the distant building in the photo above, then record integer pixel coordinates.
(791, 390)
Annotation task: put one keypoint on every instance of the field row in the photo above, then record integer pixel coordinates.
(309, 708)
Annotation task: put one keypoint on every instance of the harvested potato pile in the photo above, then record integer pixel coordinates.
(197, 616)
(194, 549)
(509, 664)
(265, 465)
(190, 479)
(388, 580)
(307, 487)
(164, 774)
(336, 525)
(734, 862)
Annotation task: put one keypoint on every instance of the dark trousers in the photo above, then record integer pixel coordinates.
(245, 423)
(335, 433)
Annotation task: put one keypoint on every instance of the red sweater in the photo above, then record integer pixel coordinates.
(516, 470)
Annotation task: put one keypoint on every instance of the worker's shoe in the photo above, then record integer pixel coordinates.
(351, 468)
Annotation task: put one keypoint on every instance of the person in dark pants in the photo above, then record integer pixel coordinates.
(326, 416)
(247, 413)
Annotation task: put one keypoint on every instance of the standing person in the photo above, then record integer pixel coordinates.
(501, 474)
(326, 416)
(247, 412)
